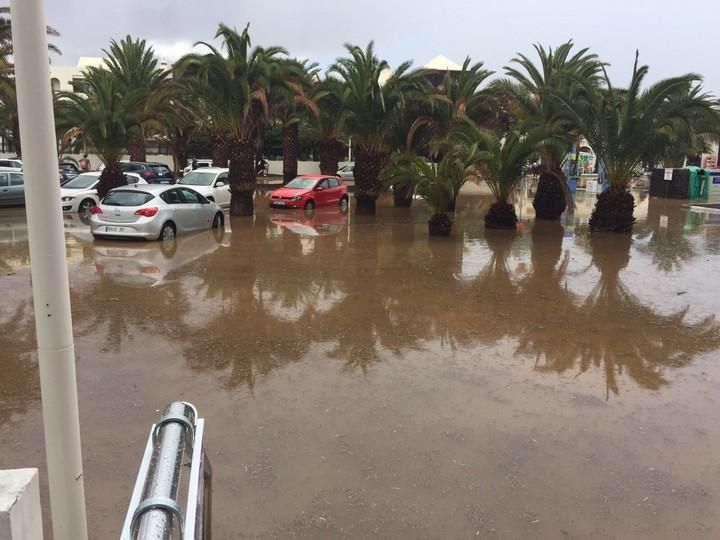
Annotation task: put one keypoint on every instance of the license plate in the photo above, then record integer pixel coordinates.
(280, 203)
(112, 229)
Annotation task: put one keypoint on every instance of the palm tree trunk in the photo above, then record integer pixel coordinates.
(402, 196)
(110, 177)
(368, 165)
(330, 152)
(16, 139)
(613, 211)
(180, 155)
(501, 215)
(549, 201)
(136, 148)
(242, 177)
(220, 148)
(291, 149)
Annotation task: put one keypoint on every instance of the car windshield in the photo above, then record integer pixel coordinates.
(127, 198)
(197, 178)
(302, 183)
(82, 181)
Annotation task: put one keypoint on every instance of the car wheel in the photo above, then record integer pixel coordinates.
(344, 204)
(86, 205)
(167, 232)
(310, 205)
(218, 220)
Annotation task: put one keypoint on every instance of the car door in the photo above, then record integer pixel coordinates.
(182, 213)
(334, 190)
(193, 208)
(17, 188)
(322, 193)
(5, 189)
(221, 190)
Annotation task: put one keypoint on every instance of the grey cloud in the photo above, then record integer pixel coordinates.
(669, 39)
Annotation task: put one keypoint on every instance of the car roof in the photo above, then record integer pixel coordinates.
(317, 176)
(212, 170)
(149, 188)
(13, 169)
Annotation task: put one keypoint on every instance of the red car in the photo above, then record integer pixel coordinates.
(309, 192)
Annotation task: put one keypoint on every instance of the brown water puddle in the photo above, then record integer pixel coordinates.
(360, 379)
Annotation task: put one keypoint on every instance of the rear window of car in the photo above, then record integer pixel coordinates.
(160, 169)
(130, 167)
(127, 198)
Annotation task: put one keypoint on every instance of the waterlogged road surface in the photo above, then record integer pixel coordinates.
(360, 380)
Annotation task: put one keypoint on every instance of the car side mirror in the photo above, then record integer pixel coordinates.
(219, 183)
(319, 188)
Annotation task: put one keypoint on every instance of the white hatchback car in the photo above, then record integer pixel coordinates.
(212, 182)
(153, 211)
(80, 193)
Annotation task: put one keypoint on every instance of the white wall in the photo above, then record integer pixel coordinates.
(20, 511)
(304, 167)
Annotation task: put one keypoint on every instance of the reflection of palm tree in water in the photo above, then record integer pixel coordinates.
(670, 245)
(20, 382)
(122, 310)
(625, 336)
(240, 335)
(549, 307)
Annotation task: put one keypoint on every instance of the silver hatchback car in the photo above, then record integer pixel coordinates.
(153, 211)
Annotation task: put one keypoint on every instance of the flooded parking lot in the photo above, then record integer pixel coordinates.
(359, 379)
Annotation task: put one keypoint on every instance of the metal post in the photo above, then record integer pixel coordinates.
(158, 511)
(51, 295)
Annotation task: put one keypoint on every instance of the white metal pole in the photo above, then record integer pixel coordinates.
(51, 294)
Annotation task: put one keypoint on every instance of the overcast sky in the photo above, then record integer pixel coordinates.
(673, 37)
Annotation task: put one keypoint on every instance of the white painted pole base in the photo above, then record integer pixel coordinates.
(20, 512)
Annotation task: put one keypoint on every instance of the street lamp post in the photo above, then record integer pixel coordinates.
(51, 293)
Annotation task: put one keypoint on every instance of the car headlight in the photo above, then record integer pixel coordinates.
(297, 198)
(67, 199)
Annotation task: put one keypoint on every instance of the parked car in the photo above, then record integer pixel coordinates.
(212, 182)
(80, 193)
(12, 187)
(153, 173)
(309, 192)
(199, 164)
(68, 171)
(153, 212)
(11, 163)
(346, 172)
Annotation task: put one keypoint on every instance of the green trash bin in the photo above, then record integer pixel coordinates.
(697, 184)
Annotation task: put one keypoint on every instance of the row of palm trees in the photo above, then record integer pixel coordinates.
(413, 131)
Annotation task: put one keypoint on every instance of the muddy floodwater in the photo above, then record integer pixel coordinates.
(361, 380)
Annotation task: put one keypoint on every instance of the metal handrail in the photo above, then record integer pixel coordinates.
(154, 512)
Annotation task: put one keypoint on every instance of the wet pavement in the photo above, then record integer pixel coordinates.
(361, 380)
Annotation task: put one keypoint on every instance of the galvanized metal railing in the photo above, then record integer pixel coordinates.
(155, 511)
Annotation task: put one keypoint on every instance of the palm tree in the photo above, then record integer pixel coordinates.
(6, 46)
(500, 163)
(373, 107)
(134, 65)
(529, 86)
(627, 127)
(9, 121)
(235, 89)
(436, 183)
(288, 102)
(457, 98)
(329, 123)
(103, 118)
